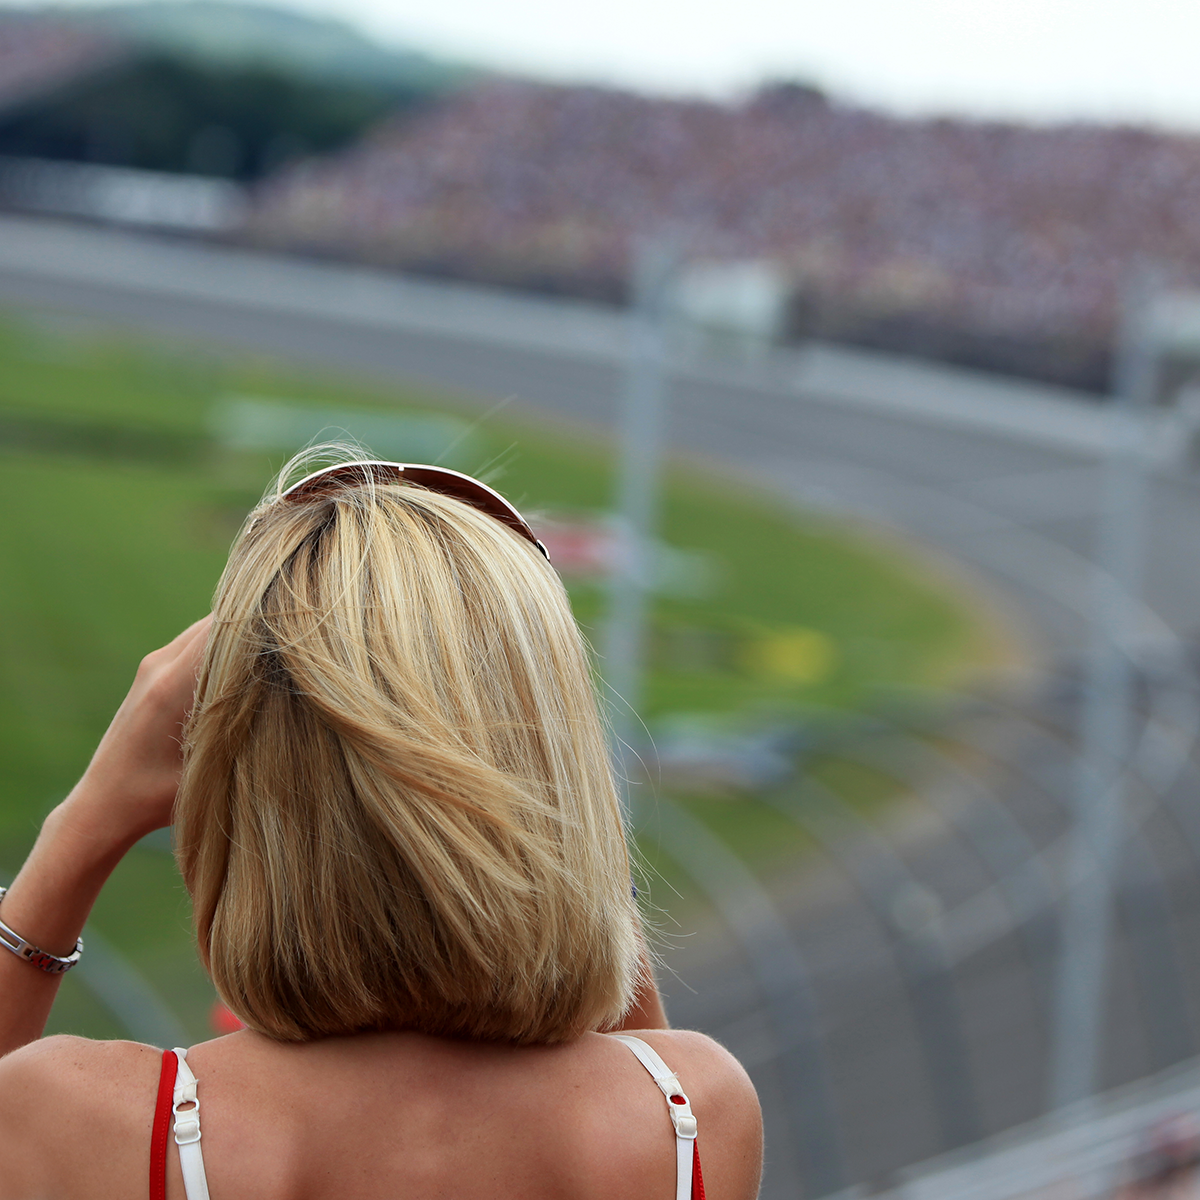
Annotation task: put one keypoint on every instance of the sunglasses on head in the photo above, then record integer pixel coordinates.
(437, 479)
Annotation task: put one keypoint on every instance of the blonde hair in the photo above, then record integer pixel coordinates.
(397, 809)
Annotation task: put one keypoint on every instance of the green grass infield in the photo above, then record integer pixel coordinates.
(128, 466)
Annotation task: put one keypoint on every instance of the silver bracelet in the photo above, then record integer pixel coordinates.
(42, 959)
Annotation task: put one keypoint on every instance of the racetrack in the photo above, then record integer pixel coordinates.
(833, 432)
(934, 455)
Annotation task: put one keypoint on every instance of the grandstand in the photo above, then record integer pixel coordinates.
(992, 245)
(988, 245)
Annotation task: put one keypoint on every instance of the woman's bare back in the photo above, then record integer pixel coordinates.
(377, 1116)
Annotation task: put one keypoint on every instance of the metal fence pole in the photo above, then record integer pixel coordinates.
(1107, 733)
(641, 431)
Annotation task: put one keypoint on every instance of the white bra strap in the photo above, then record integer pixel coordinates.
(678, 1106)
(187, 1130)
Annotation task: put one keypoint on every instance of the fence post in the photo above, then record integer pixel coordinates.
(1106, 742)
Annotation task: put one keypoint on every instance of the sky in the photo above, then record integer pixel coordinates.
(1040, 59)
(1032, 59)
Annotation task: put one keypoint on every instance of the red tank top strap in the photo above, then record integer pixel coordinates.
(697, 1178)
(162, 1126)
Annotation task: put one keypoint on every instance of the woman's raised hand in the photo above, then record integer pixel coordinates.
(131, 782)
(127, 791)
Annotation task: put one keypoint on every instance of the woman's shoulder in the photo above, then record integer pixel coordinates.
(72, 1065)
(724, 1102)
(67, 1102)
(701, 1064)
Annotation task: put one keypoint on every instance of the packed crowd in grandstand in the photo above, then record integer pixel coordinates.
(921, 234)
(1004, 230)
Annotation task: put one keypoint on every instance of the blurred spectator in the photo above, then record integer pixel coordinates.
(1167, 1166)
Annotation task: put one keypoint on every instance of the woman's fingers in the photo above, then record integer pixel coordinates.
(187, 650)
(197, 631)
(187, 642)
(167, 677)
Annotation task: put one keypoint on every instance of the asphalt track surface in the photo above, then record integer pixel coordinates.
(931, 464)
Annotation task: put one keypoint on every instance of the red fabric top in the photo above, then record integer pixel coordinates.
(162, 1126)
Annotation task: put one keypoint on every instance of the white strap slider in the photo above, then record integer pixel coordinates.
(682, 1119)
(187, 1130)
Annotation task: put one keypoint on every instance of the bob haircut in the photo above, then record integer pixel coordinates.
(397, 809)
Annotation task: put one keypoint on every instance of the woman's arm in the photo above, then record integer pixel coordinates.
(127, 791)
(47, 905)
